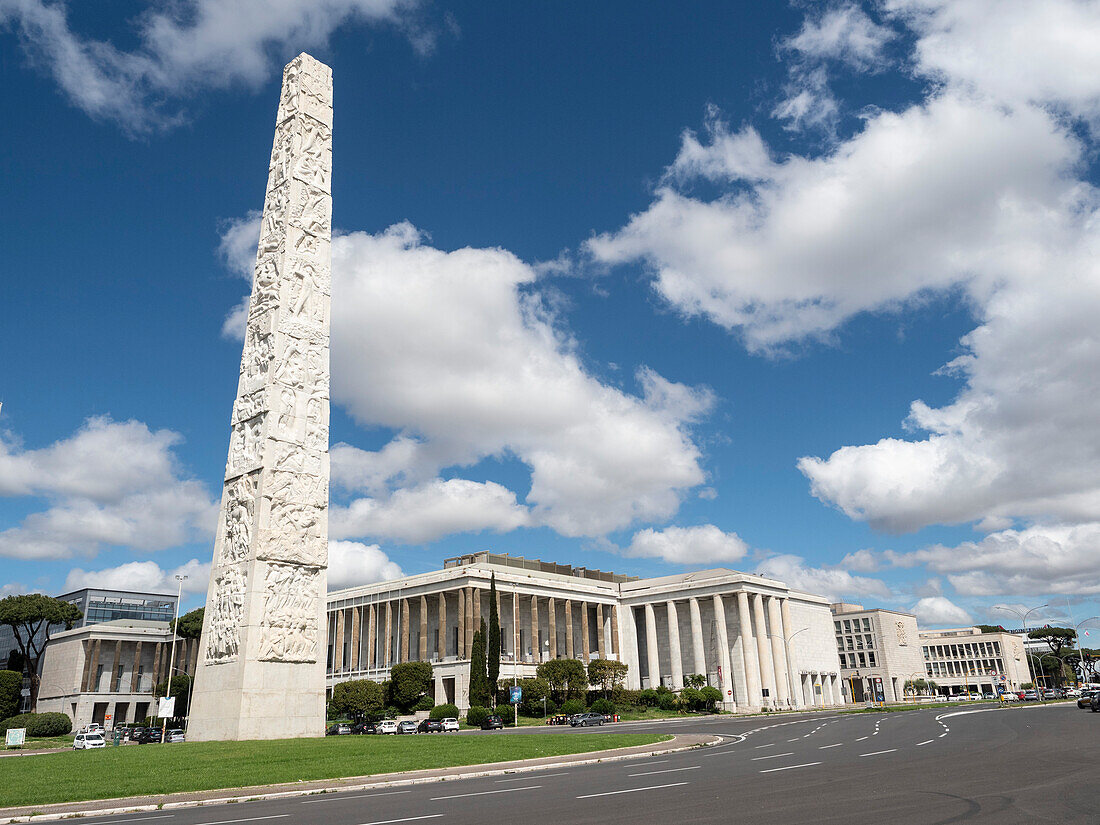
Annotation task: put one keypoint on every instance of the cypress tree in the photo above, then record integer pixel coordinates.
(492, 647)
(479, 681)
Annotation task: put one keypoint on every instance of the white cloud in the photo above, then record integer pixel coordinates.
(843, 33)
(110, 483)
(351, 563)
(861, 561)
(430, 511)
(705, 544)
(187, 47)
(13, 589)
(143, 576)
(938, 611)
(1040, 559)
(831, 582)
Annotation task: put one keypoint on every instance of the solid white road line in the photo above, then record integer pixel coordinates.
(925, 742)
(666, 770)
(791, 767)
(403, 819)
(250, 819)
(527, 778)
(337, 798)
(825, 747)
(876, 753)
(632, 790)
(485, 793)
(772, 756)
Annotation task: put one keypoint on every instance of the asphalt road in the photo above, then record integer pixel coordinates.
(928, 767)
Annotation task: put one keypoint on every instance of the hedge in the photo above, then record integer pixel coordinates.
(476, 715)
(443, 712)
(39, 724)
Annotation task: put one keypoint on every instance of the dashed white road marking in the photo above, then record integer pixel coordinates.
(249, 819)
(878, 753)
(666, 770)
(925, 742)
(402, 819)
(772, 756)
(338, 797)
(862, 738)
(139, 819)
(793, 740)
(524, 778)
(632, 790)
(486, 793)
(791, 767)
(769, 745)
(824, 747)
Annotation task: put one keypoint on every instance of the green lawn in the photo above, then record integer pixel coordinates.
(138, 770)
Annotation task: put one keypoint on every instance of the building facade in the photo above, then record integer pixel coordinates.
(761, 643)
(876, 647)
(106, 672)
(965, 660)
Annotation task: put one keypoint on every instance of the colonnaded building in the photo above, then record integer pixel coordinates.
(757, 640)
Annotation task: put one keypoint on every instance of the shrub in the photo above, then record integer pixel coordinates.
(476, 715)
(602, 706)
(39, 724)
(444, 712)
(11, 685)
(425, 703)
(711, 696)
(691, 699)
(647, 698)
(572, 706)
(667, 701)
(623, 696)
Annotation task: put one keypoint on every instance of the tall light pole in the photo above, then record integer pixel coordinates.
(172, 654)
(790, 664)
(1023, 618)
(1077, 638)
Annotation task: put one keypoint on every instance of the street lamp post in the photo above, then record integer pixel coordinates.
(1077, 638)
(172, 654)
(1023, 618)
(790, 665)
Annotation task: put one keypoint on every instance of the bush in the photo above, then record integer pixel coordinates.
(444, 712)
(667, 701)
(623, 696)
(691, 699)
(602, 706)
(476, 715)
(572, 706)
(11, 685)
(647, 698)
(711, 696)
(425, 703)
(39, 724)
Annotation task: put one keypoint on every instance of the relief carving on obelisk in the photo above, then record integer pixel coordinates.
(268, 581)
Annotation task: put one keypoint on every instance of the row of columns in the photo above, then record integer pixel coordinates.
(363, 622)
(187, 651)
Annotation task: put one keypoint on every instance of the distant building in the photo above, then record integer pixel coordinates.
(759, 642)
(966, 660)
(876, 647)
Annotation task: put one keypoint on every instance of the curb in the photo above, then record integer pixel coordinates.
(591, 759)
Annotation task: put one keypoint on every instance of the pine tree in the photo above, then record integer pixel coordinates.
(479, 681)
(492, 647)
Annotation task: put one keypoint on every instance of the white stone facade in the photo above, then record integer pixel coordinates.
(261, 673)
(965, 660)
(882, 644)
(552, 611)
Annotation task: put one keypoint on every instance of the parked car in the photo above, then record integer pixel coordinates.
(1085, 702)
(1094, 702)
(1029, 695)
(450, 724)
(176, 735)
(559, 719)
(147, 736)
(386, 726)
(430, 726)
(493, 722)
(584, 720)
(340, 729)
(87, 741)
(1072, 693)
(364, 728)
(406, 726)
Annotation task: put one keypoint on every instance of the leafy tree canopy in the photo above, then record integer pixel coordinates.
(567, 678)
(30, 617)
(479, 680)
(359, 698)
(190, 624)
(1055, 637)
(607, 674)
(408, 682)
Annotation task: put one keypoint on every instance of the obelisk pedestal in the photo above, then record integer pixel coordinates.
(261, 674)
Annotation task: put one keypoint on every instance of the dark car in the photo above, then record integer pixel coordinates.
(340, 729)
(145, 736)
(1085, 700)
(1094, 702)
(493, 722)
(584, 720)
(406, 726)
(430, 726)
(363, 728)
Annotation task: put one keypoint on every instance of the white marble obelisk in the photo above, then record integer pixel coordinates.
(261, 672)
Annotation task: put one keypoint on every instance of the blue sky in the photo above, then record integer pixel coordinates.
(804, 290)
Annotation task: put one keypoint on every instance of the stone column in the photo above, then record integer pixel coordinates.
(725, 681)
(338, 642)
(653, 661)
(615, 629)
(475, 593)
(630, 650)
(552, 618)
(471, 623)
(838, 695)
(135, 682)
(535, 646)
(569, 630)
(764, 650)
(674, 645)
(584, 631)
(422, 653)
(792, 671)
(157, 649)
(114, 680)
(441, 641)
(748, 645)
(405, 632)
(699, 656)
(601, 646)
(372, 638)
(387, 650)
(779, 655)
(356, 619)
(460, 647)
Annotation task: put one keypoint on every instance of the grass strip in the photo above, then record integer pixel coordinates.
(140, 770)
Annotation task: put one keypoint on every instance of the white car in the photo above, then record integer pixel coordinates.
(87, 741)
(386, 726)
(176, 735)
(450, 724)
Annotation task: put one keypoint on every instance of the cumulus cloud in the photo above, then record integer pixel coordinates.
(861, 561)
(110, 484)
(351, 563)
(421, 514)
(705, 544)
(143, 576)
(187, 47)
(832, 582)
(938, 610)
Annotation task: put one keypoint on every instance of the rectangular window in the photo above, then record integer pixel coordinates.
(871, 659)
(867, 624)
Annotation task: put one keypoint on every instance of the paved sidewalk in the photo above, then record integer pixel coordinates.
(100, 807)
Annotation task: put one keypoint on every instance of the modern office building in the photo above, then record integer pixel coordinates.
(878, 649)
(965, 660)
(761, 643)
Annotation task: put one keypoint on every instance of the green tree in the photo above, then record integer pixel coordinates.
(695, 680)
(189, 625)
(11, 685)
(359, 698)
(567, 678)
(990, 628)
(1057, 639)
(181, 689)
(492, 642)
(479, 680)
(711, 696)
(408, 682)
(33, 618)
(606, 674)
